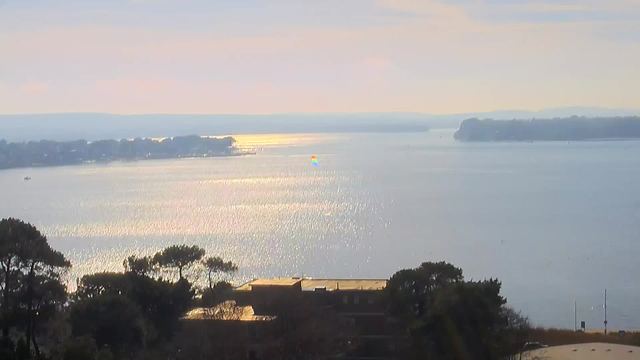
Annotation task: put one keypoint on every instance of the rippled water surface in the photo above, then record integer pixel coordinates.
(556, 222)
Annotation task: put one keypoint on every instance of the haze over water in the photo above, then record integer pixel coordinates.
(555, 221)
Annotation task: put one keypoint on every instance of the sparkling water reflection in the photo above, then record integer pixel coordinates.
(556, 222)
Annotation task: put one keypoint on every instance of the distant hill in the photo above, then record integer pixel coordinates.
(571, 128)
(94, 126)
(64, 127)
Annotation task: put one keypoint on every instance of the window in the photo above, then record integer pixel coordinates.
(345, 299)
(356, 299)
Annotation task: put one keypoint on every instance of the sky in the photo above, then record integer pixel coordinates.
(315, 56)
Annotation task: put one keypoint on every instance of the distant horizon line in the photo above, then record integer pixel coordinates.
(325, 113)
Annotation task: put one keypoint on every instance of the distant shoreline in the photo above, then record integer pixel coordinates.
(559, 141)
(92, 126)
(560, 129)
(105, 162)
(38, 154)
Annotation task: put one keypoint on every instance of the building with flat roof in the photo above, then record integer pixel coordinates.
(355, 303)
(308, 284)
(352, 309)
(227, 330)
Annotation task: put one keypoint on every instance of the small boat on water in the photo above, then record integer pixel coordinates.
(26, 178)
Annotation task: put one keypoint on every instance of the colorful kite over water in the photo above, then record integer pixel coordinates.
(314, 161)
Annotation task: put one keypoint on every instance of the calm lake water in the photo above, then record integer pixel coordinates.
(557, 222)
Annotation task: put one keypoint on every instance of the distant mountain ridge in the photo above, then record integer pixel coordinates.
(93, 126)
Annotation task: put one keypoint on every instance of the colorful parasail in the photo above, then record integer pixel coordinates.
(314, 161)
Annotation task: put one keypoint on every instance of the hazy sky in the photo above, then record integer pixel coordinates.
(235, 56)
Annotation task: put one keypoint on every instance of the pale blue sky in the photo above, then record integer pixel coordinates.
(197, 56)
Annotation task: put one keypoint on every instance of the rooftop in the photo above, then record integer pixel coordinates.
(269, 282)
(312, 284)
(344, 284)
(226, 311)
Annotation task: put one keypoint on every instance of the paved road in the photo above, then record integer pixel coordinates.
(590, 351)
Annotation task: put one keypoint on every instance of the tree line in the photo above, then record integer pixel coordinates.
(53, 153)
(557, 129)
(450, 318)
(110, 315)
(135, 314)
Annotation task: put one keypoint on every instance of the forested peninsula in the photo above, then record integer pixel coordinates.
(53, 153)
(559, 129)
